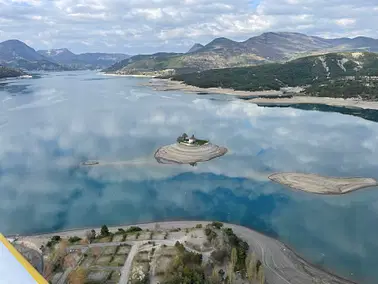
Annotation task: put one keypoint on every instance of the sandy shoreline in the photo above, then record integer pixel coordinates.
(121, 75)
(169, 85)
(322, 185)
(282, 264)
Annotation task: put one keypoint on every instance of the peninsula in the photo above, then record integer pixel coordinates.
(171, 252)
(189, 150)
(322, 185)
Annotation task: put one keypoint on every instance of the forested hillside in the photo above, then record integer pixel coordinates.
(334, 74)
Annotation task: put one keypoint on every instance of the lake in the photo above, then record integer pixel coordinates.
(48, 125)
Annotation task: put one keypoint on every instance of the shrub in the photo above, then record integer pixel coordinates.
(217, 225)
(74, 239)
(133, 229)
(104, 231)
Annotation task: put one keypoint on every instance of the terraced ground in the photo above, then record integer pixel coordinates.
(188, 154)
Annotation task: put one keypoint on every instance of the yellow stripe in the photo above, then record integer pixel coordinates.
(33, 272)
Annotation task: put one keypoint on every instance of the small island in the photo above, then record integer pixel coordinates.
(322, 185)
(189, 150)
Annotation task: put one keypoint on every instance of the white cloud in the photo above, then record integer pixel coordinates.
(146, 26)
(345, 22)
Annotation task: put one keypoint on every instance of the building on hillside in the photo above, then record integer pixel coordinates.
(192, 140)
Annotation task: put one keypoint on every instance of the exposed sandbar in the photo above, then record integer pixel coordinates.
(169, 85)
(188, 154)
(349, 103)
(322, 185)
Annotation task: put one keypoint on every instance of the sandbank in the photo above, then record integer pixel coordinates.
(322, 185)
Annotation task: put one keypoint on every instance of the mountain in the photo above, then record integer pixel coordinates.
(195, 47)
(345, 74)
(16, 54)
(224, 53)
(67, 58)
(61, 56)
(6, 72)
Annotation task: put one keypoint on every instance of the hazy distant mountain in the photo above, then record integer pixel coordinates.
(195, 48)
(82, 61)
(223, 52)
(15, 53)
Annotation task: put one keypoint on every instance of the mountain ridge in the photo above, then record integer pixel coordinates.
(17, 54)
(226, 53)
(89, 60)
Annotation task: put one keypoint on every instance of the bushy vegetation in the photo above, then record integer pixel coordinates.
(6, 72)
(186, 268)
(54, 240)
(133, 229)
(241, 248)
(74, 239)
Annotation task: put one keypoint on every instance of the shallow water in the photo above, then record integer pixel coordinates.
(50, 124)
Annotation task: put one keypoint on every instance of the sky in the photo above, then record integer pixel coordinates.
(146, 26)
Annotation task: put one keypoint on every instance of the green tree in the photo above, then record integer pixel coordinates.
(261, 275)
(230, 274)
(251, 266)
(104, 231)
(234, 257)
(215, 279)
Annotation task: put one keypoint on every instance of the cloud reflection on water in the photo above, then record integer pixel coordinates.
(43, 188)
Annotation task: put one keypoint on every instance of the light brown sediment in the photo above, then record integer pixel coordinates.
(322, 185)
(188, 154)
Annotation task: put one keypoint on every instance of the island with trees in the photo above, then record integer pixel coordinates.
(189, 150)
(6, 72)
(179, 252)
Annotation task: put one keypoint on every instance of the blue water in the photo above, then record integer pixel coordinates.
(50, 124)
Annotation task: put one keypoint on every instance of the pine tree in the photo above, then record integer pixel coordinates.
(251, 266)
(234, 257)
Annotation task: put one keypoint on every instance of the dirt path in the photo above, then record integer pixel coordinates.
(127, 266)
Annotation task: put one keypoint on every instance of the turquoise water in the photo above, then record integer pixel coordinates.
(50, 124)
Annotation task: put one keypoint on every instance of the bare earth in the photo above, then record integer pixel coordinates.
(320, 184)
(281, 264)
(185, 154)
(168, 85)
(350, 103)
